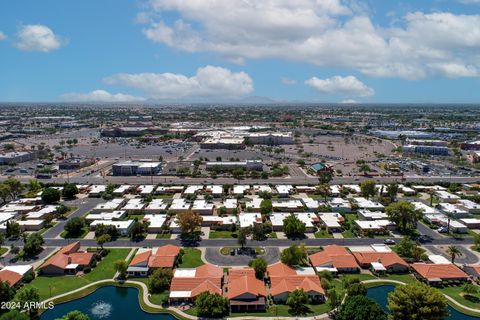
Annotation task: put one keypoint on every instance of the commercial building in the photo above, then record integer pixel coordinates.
(133, 168)
(223, 143)
(426, 149)
(249, 165)
(271, 139)
(16, 157)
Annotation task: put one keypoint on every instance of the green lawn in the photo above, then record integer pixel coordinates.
(163, 236)
(273, 235)
(323, 234)
(222, 234)
(456, 293)
(55, 285)
(406, 278)
(349, 220)
(191, 258)
(70, 209)
(3, 250)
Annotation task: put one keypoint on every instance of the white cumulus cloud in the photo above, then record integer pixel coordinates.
(37, 38)
(208, 82)
(346, 86)
(99, 96)
(3, 36)
(327, 33)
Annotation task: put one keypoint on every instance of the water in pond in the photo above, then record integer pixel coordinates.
(107, 303)
(379, 294)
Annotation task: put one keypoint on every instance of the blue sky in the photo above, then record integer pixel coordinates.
(215, 50)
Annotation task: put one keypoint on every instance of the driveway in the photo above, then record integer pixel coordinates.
(214, 256)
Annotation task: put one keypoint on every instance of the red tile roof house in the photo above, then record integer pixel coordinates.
(146, 261)
(284, 280)
(438, 273)
(68, 260)
(245, 292)
(335, 259)
(188, 283)
(13, 275)
(473, 270)
(382, 262)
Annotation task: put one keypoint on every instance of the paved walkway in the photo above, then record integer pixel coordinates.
(213, 256)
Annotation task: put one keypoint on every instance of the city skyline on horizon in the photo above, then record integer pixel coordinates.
(328, 51)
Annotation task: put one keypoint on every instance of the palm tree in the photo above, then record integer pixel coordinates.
(431, 192)
(449, 216)
(454, 252)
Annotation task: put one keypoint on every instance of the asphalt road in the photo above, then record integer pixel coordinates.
(83, 205)
(214, 256)
(285, 180)
(233, 242)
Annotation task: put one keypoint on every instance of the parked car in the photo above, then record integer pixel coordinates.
(389, 241)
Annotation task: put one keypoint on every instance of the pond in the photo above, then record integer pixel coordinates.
(380, 294)
(107, 303)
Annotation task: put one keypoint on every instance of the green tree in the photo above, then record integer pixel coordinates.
(368, 188)
(6, 292)
(293, 227)
(104, 238)
(33, 244)
(453, 252)
(5, 192)
(34, 186)
(69, 190)
(159, 280)
(26, 296)
(294, 255)
(121, 267)
(16, 187)
(356, 289)
(74, 315)
(266, 206)
(297, 301)
(407, 248)
(359, 307)
(13, 229)
(392, 190)
(211, 305)
(243, 233)
(334, 298)
(51, 195)
(260, 267)
(74, 227)
(365, 168)
(324, 176)
(14, 315)
(404, 215)
(138, 230)
(417, 301)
